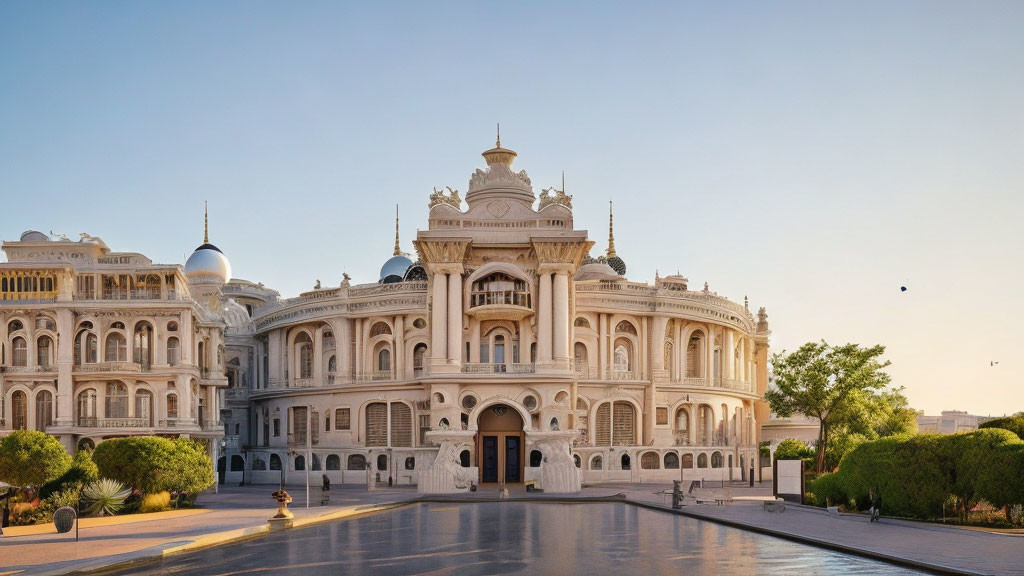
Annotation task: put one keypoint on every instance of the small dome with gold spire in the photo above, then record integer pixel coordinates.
(207, 265)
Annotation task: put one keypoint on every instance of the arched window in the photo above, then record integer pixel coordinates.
(382, 462)
(419, 355)
(625, 327)
(237, 463)
(14, 326)
(356, 462)
(581, 322)
(379, 328)
(623, 365)
(410, 463)
(333, 462)
(694, 354)
(384, 360)
(464, 458)
(115, 348)
(579, 353)
(304, 353)
(300, 462)
(173, 351)
(716, 460)
(87, 408)
(687, 460)
(682, 425)
(172, 326)
(332, 364)
(144, 407)
(172, 406)
(328, 339)
(499, 288)
(44, 410)
(650, 461)
(275, 462)
(259, 464)
(20, 352)
(625, 462)
(596, 463)
(116, 401)
(142, 344)
(702, 460)
(44, 352)
(535, 458)
(576, 460)
(671, 461)
(19, 409)
(615, 424)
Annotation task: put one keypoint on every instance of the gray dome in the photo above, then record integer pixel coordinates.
(208, 263)
(394, 269)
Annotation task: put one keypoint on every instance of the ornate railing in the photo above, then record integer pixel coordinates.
(614, 373)
(109, 367)
(91, 422)
(26, 369)
(376, 376)
(169, 423)
(489, 368)
(500, 298)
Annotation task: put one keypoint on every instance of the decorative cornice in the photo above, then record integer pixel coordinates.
(558, 251)
(451, 251)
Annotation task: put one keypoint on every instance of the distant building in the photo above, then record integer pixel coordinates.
(797, 426)
(950, 422)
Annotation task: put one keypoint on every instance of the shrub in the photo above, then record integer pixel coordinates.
(83, 471)
(105, 497)
(1014, 424)
(792, 449)
(828, 491)
(151, 464)
(29, 457)
(61, 499)
(155, 502)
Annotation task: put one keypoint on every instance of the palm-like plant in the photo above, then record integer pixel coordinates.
(105, 497)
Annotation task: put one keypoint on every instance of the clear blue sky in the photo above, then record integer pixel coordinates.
(814, 156)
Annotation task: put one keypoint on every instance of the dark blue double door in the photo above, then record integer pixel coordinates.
(501, 459)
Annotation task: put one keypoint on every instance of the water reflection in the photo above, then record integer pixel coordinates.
(521, 538)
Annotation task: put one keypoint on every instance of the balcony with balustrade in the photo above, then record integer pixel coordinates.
(491, 368)
(500, 296)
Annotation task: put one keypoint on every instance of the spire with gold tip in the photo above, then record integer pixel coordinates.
(398, 246)
(614, 261)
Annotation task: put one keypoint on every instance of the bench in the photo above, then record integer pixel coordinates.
(774, 506)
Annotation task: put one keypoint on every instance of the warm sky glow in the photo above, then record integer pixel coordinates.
(814, 156)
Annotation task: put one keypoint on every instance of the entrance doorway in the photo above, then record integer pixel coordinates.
(500, 445)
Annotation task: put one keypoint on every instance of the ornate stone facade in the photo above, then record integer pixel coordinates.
(504, 354)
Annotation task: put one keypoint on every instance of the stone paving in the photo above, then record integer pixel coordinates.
(967, 551)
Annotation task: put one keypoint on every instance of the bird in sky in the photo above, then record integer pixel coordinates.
(903, 288)
(993, 363)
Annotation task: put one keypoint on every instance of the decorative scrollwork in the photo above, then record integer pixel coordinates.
(549, 196)
(452, 198)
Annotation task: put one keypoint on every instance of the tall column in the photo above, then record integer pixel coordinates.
(343, 346)
(602, 345)
(678, 350)
(544, 320)
(560, 330)
(399, 365)
(709, 351)
(455, 318)
(359, 348)
(728, 355)
(439, 319)
(318, 357)
(65, 359)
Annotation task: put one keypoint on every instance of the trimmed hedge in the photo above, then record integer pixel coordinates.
(927, 475)
(1014, 424)
(82, 472)
(30, 458)
(152, 464)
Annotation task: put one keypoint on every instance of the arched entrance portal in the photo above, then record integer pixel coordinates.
(500, 445)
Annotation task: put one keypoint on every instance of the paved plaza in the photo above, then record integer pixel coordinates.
(239, 513)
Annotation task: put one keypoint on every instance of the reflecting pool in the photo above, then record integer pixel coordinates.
(520, 538)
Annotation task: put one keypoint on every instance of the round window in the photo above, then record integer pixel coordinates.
(419, 323)
(468, 402)
(438, 398)
(530, 402)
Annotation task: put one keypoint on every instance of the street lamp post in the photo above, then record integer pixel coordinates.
(309, 447)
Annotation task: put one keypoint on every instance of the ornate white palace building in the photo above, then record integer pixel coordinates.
(504, 353)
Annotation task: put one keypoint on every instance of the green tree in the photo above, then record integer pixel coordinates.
(30, 458)
(82, 472)
(831, 383)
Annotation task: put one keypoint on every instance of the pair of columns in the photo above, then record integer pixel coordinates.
(553, 315)
(446, 317)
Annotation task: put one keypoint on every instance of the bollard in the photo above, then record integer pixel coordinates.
(751, 476)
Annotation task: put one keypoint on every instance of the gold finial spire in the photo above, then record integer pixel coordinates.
(206, 223)
(498, 143)
(611, 233)
(398, 248)
(563, 181)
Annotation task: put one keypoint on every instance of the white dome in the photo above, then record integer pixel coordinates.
(596, 271)
(396, 266)
(208, 264)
